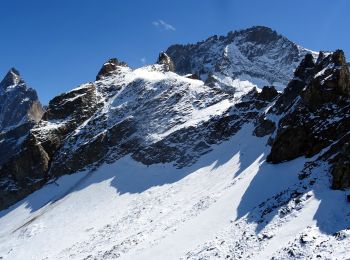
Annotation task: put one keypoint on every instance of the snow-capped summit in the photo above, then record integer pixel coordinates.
(258, 54)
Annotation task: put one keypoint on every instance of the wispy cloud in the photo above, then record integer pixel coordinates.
(143, 60)
(163, 25)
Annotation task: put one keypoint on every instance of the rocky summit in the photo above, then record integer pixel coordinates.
(20, 109)
(258, 54)
(237, 147)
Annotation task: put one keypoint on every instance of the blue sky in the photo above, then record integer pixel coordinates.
(57, 45)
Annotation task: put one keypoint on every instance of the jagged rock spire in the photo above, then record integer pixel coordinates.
(12, 78)
(21, 104)
(164, 59)
(110, 66)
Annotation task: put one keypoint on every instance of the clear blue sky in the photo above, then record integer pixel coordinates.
(57, 45)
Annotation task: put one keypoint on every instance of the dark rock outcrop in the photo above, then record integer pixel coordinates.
(29, 168)
(264, 127)
(109, 67)
(12, 78)
(268, 93)
(18, 103)
(11, 140)
(341, 168)
(166, 61)
(331, 81)
(315, 114)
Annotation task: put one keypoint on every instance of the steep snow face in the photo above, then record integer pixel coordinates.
(258, 55)
(229, 204)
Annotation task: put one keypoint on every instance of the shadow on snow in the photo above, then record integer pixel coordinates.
(128, 176)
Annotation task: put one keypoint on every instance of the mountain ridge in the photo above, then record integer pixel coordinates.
(144, 157)
(257, 54)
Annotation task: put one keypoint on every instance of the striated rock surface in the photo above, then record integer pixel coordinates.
(258, 54)
(151, 114)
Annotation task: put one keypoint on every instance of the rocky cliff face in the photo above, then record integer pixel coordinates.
(28, 169)
(18, 103)
(257, 54)
(20, 109)
(312, 115)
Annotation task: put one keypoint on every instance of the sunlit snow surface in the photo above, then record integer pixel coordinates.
(210, 210)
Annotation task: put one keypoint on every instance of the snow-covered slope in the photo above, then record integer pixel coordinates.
(229, 204)
(258, 54)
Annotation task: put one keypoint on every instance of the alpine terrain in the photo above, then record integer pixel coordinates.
(236, 147)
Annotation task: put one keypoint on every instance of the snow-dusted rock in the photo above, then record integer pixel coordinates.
(316, 115)
(258, 54)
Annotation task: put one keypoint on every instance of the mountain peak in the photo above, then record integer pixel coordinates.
(12, 78)
(258, 53)
(109, 66)
(19, 104)
(258, 35)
